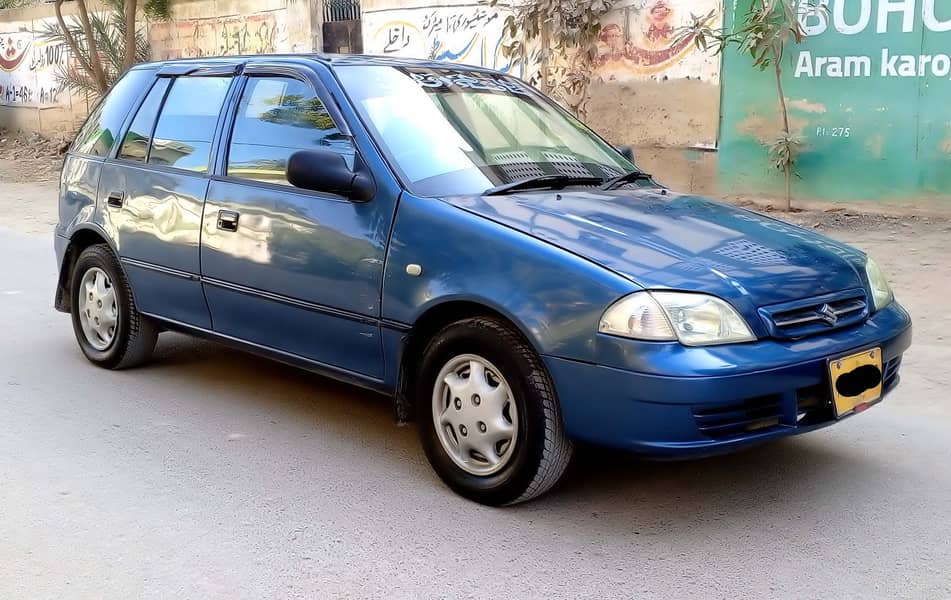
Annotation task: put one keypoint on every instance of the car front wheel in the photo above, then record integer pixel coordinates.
(488, 414)
(109, 329)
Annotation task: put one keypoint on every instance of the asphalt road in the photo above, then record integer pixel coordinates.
(211, 473)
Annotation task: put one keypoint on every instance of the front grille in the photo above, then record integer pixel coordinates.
(890, 374)
(802, 318)
(752, 415)
(814, 405)
(764, 413)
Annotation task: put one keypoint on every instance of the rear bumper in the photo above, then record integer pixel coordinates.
(669, 416)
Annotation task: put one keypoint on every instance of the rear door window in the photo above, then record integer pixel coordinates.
(186, 125)
(276, 117)
(98, 134)
(135, 145)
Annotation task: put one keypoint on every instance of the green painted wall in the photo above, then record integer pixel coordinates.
(873, 128)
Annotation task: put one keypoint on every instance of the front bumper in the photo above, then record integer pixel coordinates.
(760, 391)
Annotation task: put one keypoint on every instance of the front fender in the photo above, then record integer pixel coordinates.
(556, 298)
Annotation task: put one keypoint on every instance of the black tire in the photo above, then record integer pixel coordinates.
(135, 335)
(542, 450)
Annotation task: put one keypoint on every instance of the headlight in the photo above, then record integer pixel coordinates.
(881, 292)
(637, 316)
(694, 319)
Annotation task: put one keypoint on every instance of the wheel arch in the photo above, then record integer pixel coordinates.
(431, 320)
(80, 239)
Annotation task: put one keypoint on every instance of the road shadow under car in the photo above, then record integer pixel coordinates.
(791, 476)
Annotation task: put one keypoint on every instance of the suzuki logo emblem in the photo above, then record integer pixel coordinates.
(827, 313)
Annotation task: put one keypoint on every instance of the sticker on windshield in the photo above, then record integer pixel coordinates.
(481, 82)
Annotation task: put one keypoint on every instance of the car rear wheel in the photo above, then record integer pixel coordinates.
(488, 415)
(109, 329)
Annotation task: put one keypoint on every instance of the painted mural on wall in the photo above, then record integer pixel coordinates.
(640, 39)
(868, 95)
(28, 67)
(254, 33)
(470, 34)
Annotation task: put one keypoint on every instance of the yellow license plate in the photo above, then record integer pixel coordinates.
(856, 380)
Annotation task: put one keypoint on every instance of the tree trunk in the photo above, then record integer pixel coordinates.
(544, 64)
(788, 169)
(785, 113)
(128, 58)
(782, 96)
(95, 61)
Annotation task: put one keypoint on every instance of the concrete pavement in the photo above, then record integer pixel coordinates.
(211, 473)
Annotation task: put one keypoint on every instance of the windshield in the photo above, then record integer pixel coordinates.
(454, 132)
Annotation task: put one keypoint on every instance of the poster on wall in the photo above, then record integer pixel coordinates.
(28, 69)
(641, 39)
(470, 34)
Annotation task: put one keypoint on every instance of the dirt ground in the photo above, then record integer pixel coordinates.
(30, 158)
(29, 173)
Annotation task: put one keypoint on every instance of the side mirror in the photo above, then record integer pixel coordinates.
(627, 152)
(327, 171)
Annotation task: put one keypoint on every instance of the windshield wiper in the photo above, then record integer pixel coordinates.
(552, 182)
(629, 177)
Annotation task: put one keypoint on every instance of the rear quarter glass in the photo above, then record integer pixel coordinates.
(135, 145)
(98, 134)
(186, 128)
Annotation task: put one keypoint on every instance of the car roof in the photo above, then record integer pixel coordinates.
(331, 60)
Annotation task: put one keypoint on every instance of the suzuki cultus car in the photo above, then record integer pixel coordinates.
(449, 237)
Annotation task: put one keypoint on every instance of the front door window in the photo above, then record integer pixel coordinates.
(278, 116)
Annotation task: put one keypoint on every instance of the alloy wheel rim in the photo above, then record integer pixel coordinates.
(98, 309)
(475, 415)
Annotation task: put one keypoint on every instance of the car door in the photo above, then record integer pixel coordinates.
(152, 193)
(289, 269)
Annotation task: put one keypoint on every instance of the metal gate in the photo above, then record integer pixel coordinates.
(342, 29)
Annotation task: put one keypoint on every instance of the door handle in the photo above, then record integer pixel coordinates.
(116, 199)
(228, 220)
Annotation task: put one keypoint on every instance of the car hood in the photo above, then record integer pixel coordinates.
(660, 239)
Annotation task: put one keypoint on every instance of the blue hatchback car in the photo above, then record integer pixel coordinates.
(451, 238)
